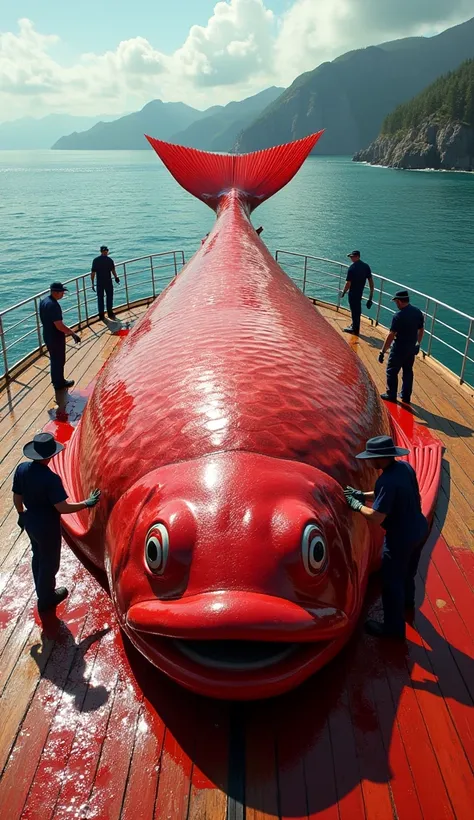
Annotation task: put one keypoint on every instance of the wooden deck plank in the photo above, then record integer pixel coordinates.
(142, 783)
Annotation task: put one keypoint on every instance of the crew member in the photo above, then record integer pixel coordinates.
(104, 268)
(397, 508)
(358, 274)
(406, 333)
(41, 491)
(54, 334)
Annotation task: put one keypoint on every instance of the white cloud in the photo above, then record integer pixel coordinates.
(242, 49)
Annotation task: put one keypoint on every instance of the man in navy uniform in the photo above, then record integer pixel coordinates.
(104, 268)
(357, 275)
(406, 333)
(397, 508)
(54, 334)
(41, 491)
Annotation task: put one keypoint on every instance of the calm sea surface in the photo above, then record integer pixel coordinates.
(58, 207)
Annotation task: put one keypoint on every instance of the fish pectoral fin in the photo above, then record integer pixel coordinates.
(426, 455)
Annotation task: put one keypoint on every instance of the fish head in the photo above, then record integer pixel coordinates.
(235, 573)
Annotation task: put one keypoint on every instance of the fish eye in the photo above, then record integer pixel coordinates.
(156, 548)
(313, 547)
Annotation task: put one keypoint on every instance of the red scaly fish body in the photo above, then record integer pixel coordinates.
(221, 434)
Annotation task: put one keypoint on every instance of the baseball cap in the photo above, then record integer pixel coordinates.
(57, 286)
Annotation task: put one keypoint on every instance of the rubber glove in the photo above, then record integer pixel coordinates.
(357, 494)
(417, 349)
(369, 303)
(342, 294)
(76, 338)
(21, 521)
(381, 357)
(93, 499)
(353, 503)
(118, 281)
(93, 287)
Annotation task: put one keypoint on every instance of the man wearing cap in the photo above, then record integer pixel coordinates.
(54, 334)
(397, 508)
(406, 333)
(41, 491)
(104, 268)
(357, 275)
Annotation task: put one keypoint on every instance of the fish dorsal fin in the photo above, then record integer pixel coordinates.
(209, 176)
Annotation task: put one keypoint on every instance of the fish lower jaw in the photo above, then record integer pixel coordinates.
(235, 655)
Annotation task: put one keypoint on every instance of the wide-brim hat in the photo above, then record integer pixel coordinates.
(401, 294)
(382, 447)
(44, 445)
(353, 253)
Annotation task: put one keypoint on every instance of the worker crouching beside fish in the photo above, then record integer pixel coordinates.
(397, 508)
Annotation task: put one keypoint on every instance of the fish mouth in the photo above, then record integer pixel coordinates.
(236, 655)
(237, 645)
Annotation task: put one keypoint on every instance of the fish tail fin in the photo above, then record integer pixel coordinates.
(257, 176)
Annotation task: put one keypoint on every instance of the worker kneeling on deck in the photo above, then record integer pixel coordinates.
(397, 508)
(41, 491)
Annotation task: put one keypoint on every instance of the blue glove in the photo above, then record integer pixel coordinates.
(353, 503)
(93, 499)
(381, 357)
(369, 303)
(357, 494)
(21, 521)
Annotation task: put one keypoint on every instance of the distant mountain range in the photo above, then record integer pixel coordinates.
(351, 96)
(42, 133)
(219, 130)
(215, 129)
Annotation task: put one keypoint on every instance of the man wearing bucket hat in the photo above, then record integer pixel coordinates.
(104, 268)
(41, 491)
(55, 332)
(396, 508)
(406, 334)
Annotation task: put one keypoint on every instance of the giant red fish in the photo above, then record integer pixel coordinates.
(222, 432)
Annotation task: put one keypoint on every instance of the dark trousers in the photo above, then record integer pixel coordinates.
(108, 289)
(57, 355)
(399, 567)
(46, 548)
(400, 360)
(355, 304)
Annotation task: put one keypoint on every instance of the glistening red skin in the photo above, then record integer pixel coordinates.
(221, 434)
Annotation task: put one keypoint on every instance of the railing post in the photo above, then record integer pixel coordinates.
(126, 284)
(305, 270)
(79, 315)
(86, 308)
(175, 265)
(38, 328)
(276, 255)
(338, 305)
(4, 350)
(433, 319)
(466, 350)
(152, 276)
(379, 303)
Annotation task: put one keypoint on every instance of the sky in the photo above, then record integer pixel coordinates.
(98, 57)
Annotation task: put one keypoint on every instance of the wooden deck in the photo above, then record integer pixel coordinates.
(90, 730)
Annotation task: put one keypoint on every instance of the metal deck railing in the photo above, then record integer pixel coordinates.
(449, 332)
(448, 336)
(140, 278)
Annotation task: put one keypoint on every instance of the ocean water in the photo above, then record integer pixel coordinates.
(58, 207)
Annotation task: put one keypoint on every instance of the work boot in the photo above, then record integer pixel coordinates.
(378, 630)
(111, 315)
(350, 329)
(388, 397)
(60, 594)
(404, 401)
(69, 383)
(102, 317)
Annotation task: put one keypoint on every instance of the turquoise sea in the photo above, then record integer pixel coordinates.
(58, 207)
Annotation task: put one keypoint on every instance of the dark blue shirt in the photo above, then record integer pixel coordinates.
(103, 266)
(40, 489)
(406, 324)
(358, 274)
(50, 312)
(397, 495)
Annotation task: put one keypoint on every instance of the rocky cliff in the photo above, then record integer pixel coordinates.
(447, 146)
